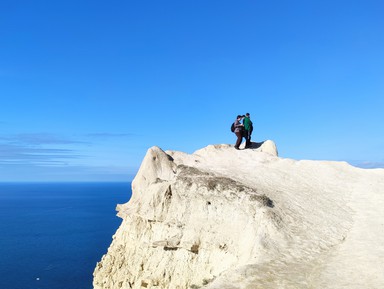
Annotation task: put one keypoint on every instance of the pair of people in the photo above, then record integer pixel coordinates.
(243, 129)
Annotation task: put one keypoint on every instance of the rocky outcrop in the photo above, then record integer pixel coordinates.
(222, 218)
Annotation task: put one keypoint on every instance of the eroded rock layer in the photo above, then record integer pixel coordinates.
(222, 218)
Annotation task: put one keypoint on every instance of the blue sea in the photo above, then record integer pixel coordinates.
(52, 234)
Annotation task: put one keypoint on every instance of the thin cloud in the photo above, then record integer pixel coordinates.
(369, 165)
(109, 135)
(32, 172)
(17, 154)
(41, 149)
(38, 139)
(36, 156)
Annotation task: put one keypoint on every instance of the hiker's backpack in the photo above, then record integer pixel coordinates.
(233, 127)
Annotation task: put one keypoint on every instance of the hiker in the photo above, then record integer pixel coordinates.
(239, 131)
(248, 128)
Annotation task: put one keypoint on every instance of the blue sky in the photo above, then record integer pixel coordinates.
(86, 87)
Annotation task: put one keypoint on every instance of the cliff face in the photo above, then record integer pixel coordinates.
(222, 218)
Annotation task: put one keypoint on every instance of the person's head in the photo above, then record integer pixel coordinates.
(247, 114)
(239, 116)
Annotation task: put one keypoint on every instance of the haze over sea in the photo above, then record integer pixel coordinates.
(52, 234)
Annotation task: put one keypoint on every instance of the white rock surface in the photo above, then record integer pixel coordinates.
(226, 218)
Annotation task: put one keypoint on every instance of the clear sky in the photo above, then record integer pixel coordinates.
(86, 87)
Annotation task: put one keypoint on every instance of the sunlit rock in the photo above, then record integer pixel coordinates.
(226, 218)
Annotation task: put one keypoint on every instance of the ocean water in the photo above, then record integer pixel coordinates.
(52, 234)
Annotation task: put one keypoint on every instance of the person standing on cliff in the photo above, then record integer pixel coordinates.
(248, 127)
(239, 131)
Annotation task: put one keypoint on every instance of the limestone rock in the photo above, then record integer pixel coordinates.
(226, 218)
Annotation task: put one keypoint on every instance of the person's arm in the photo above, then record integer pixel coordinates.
(238, 124)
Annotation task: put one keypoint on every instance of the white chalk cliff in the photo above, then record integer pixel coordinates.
(229, 219)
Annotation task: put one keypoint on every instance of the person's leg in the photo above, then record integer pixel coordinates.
(247, 139)
(239, 139)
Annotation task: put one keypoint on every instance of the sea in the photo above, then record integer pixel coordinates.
(53, 234)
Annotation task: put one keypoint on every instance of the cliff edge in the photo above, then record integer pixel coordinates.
(223, 218)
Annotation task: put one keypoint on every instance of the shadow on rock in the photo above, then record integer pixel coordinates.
(256, 145)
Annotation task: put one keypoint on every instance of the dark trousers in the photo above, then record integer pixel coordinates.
(247, 135)
(239, 135)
